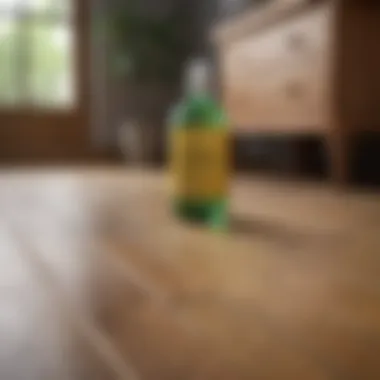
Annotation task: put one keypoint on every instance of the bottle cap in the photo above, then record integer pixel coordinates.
(198, 75)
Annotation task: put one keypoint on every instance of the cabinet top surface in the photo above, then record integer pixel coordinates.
(256, 18)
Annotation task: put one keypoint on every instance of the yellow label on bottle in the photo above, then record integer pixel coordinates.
(199, 159)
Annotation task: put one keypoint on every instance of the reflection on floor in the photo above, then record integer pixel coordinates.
(98, 282)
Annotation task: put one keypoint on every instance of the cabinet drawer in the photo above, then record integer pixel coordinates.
(278, 78)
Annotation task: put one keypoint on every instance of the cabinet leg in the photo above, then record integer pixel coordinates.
(339, 158)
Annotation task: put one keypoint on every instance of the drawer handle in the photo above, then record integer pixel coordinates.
(294, 90)
(296, 42)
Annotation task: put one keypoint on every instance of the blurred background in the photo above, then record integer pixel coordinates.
(65, 88)
(69, 80)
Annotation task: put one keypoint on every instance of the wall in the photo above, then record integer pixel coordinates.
(114, 100)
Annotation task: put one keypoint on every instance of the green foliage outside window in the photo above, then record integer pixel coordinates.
(35, 61)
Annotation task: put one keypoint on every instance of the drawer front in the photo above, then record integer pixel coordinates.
(278, 78)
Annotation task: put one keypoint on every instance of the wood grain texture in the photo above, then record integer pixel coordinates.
(276, 80)
(291, 292)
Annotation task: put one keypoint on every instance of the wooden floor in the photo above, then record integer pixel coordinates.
(99, 282)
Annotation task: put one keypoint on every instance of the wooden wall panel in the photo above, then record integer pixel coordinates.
(360, 84)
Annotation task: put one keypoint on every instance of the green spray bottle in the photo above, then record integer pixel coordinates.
(199, 152)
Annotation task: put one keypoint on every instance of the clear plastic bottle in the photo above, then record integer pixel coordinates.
(199, 152)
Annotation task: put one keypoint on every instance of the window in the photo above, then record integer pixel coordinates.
(36, 54)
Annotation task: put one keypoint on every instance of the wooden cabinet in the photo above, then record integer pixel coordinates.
(304, 67)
